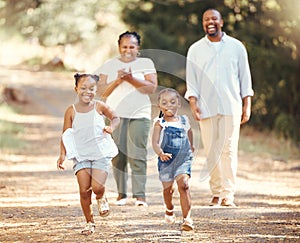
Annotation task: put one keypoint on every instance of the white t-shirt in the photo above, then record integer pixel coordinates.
(126, 100)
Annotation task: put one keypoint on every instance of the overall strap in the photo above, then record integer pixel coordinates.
(183, 121)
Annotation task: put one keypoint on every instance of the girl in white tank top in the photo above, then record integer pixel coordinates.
(87, 140)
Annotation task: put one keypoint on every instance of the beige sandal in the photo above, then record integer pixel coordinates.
(103, 207)
(88, 229)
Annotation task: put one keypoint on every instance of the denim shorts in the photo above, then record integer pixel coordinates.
(168, 171)
(103, 164)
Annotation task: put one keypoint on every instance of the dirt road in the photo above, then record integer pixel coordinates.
(40, 204)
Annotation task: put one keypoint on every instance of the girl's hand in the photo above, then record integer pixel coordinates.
(60, 162)
(108, 129)
(165, 156)
(192, 148)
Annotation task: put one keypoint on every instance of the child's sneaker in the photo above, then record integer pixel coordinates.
(187, 224)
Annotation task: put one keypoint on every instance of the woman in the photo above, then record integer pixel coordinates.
(129, 79)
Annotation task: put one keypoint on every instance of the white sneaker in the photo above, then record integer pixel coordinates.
(141, 203)
(121, 202)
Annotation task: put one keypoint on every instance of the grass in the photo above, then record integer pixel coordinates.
(267, 144)
(9, 131)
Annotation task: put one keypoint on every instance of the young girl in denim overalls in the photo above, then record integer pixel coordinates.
(172, 141)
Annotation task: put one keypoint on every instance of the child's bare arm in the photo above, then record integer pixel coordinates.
(67, 124)
(155, 143)
(110, 114)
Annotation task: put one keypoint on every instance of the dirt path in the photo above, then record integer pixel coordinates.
(40, 204)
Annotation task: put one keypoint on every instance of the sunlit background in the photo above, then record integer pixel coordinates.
(38, 33)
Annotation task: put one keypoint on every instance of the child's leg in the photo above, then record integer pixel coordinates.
(84, 182)
(185, 197)
(98, 185)
(168, 191)
(98, 182)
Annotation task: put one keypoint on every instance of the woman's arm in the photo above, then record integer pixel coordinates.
(145, 86)
(104, 89)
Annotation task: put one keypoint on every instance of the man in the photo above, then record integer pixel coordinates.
(219, 91)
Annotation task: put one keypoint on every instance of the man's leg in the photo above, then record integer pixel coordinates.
(230, 125)
(209, 135)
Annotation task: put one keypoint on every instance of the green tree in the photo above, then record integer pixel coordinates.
(54, 23)
(268, 28)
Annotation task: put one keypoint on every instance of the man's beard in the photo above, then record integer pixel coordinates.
(212, 34)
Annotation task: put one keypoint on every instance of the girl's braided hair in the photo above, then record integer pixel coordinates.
(78, 76)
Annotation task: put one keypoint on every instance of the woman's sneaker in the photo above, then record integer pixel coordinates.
(121, 202)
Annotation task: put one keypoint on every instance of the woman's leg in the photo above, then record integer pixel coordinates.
(119, 162)
(84, 182)
(185, 197)
(137, 155)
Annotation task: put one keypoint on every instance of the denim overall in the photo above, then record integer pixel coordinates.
(175, 141)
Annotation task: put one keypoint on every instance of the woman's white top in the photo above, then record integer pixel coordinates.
(126, 100)
(86, 139)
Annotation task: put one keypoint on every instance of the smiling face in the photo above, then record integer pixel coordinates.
(128, 48)
(169, 103)
(86, 89)
(212, 24)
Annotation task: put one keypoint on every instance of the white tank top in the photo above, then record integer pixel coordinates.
(86, 139)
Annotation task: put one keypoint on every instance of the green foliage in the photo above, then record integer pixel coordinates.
(285, 126)
(53, 22)
(270, 30)
(9, 131)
